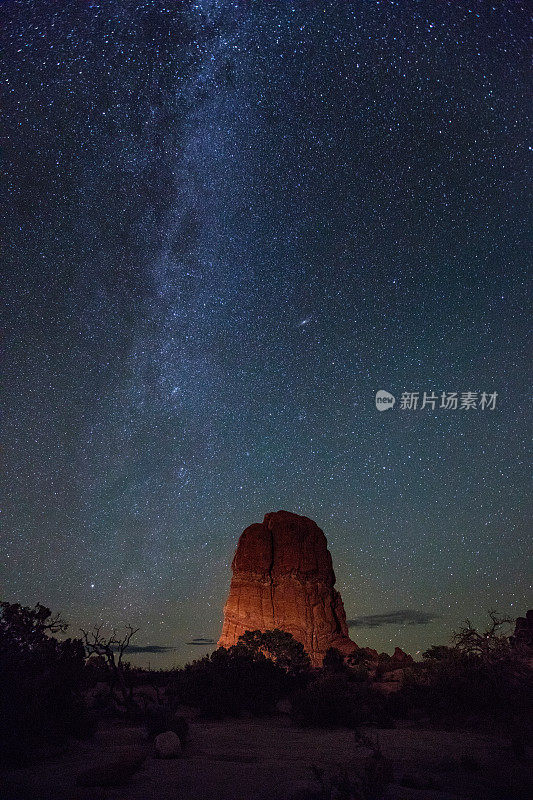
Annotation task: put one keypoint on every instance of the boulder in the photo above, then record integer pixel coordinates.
(167, 745)
(283, 578)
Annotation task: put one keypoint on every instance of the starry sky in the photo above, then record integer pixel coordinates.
(227, 226)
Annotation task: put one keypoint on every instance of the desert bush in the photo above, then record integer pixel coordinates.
(438, 652)
(385, 664)
(279, 646)
(334, 661)
(359, 664)
(328, 701)
(357, 657)
(79, 722)
(102, 697)
(42, 680)
(96, 670)
(334, 700)
(105, 653)
(343, 782)
(358, 674)
(229, 682)
(477, 678)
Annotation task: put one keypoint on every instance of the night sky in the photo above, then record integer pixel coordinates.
(228, 225)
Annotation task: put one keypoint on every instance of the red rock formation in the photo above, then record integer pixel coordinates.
(372, 655)
(283, 578)
(400, 658)
(522, 639)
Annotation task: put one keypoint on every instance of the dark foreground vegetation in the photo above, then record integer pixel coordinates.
(59, 689)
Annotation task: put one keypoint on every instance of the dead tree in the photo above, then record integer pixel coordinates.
(112, 649)
(490, 645)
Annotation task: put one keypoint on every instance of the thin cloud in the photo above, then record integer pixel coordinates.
(200, 640)
(404, 617)
(148, 648)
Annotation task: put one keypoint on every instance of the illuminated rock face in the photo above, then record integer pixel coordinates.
(283, 578)
(522, 639)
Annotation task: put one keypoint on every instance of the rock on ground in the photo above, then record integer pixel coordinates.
(167, 745)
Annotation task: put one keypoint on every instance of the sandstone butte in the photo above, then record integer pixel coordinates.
(283, 578)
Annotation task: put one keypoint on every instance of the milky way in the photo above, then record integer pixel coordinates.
(228, 226)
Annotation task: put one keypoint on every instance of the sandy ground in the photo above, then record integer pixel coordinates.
(271, 760)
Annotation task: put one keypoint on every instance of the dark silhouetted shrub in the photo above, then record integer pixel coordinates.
(239, 679)
(279, 646)
(42, 680)
(343, 782)
(358, 674)
(78, 722)
(334, 661)
(328, 701)
(478, 678)
(334, 700)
